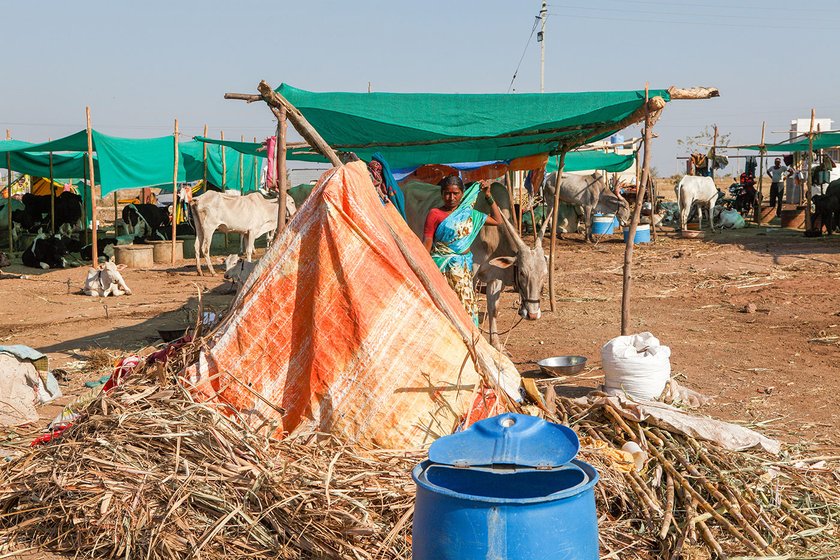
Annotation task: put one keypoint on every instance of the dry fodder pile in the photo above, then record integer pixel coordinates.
(696, 500)
(148, 473)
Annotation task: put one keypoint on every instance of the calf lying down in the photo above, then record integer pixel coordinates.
(106, 281)
(237, 270)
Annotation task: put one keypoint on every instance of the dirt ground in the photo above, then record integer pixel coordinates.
(774, 368)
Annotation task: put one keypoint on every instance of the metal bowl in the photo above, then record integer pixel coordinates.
(169, 335)
(562, 365)
(691, 234)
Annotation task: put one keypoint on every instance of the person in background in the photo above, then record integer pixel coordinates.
(450, 230)
(776, 173)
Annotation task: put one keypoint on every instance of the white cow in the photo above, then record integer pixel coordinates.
(106, 281)
(250, 215)
(693, 189)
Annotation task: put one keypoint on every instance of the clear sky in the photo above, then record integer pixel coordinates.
(141, 64)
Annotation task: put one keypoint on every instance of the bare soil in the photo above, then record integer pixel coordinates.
(774, 367)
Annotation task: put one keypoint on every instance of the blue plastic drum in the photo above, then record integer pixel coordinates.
(507, 488)
(604, 225)
(642, 233)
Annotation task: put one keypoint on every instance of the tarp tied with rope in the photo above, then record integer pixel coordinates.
(413, 129)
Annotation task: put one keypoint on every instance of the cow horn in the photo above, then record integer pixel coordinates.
(513, 235)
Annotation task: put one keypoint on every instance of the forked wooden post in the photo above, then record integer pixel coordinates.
(204, 184)
(174, 195)
(554, 215)
(94, 249)
(634, 222)
(280, 146)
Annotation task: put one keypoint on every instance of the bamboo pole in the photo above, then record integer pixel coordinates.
(554, 214)
(280, 161)
(94, 249)
(204, 185)
(714, 154)
(224, 164)
(241, 166)
(510, 178)
(52, 195)
(9, 193)
(174, 195)
(807, 182)
(634, 222)
(653, 200)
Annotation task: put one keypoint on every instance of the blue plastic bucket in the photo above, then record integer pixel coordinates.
(642, 233)
(604, 225)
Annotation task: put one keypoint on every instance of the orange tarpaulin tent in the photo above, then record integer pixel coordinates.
(346, 326)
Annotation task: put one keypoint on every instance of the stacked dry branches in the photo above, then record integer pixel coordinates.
(692, 494)
(148, 473)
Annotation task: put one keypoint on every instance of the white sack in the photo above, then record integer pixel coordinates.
(637, 365)
(732, 219)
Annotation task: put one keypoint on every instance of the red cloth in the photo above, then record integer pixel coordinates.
(433, 220)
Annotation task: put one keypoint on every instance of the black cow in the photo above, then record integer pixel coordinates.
(151, 218)
(68, 210)
(45, 252)
(827, 209)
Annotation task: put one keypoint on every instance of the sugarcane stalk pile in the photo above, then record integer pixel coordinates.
(148, 473)
(694, 499)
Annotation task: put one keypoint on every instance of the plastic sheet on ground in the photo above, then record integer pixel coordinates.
(346, 326)
(729, 436)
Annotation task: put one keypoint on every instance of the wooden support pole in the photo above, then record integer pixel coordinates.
(761, 152)
(224, 164)
(554, 215)
(256, 170)
(520, 183)
(282, 187)
(94, 249)
(204, 185)
(807, 196)
(241, 166)
(85, 198)
(634, 222)
(52, 195)
(9, 193)
(276, 101)
(174, 195)
(714, 153)
(653, 198)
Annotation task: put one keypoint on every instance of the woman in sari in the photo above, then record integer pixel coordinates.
(451, 229)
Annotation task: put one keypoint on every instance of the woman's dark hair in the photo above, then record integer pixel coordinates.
(450, 180)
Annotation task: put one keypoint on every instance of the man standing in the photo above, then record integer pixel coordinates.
(776, 189)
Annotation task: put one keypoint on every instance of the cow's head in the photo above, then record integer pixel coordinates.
(530, 271)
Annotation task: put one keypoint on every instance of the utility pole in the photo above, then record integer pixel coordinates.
(541, 41)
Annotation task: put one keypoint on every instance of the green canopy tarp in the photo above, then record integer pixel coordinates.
(822, 141)
(296, 153)
(584, 161)
(412, 129)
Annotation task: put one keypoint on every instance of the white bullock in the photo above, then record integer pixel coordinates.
(693, 189)
(250, 215)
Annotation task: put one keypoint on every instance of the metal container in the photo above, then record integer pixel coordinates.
(507, 487)
(562, 365)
